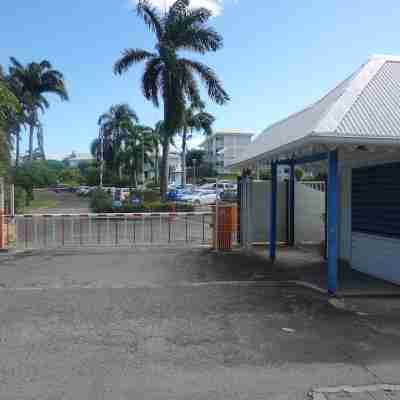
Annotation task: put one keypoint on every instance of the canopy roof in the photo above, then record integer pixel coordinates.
(363, 109)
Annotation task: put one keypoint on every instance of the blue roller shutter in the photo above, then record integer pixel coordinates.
(376, 200)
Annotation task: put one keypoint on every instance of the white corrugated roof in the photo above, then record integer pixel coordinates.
(364, 106)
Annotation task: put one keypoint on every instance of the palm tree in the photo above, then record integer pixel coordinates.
(137, 150)
(156, 141)
(35, 80)
(169, 75)
(194, 120)
(114, 125)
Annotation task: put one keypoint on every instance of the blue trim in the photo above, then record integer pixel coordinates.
(332, 221)
(305, 160)
(291, 204)
(273, 221)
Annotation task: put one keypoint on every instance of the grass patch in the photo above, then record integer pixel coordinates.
(43, 200)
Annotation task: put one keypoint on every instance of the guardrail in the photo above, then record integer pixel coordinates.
(77, 230)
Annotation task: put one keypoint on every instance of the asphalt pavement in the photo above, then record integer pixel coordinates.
(162, 323)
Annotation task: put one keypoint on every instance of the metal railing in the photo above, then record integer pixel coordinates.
(78, 230)
(320, 185)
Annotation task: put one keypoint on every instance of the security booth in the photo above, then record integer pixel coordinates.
(354, 132)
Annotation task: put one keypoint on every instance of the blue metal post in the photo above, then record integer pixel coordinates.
(291, 203)
(332, 221)
(273, 221)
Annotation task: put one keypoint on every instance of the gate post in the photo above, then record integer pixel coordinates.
(273, 211)
(3, 228)
(332, 221)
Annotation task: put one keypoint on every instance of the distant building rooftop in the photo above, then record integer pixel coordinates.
(79, 156)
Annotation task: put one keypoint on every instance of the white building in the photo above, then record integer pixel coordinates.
(175, 168)
(223, 147)
(354, 131)
(74, 159)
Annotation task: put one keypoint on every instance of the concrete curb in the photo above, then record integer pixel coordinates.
(319, 393)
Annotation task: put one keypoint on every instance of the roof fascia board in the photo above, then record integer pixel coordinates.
(310, 140)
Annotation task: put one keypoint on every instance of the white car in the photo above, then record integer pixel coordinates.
(202, 197)
(222, 185)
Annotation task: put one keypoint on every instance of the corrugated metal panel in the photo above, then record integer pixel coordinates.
(365, 105)
(294, 127)
(376, 112)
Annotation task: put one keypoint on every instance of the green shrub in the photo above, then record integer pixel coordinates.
(131, 208)
(153, 186)
(184, 207)
(157, 206)
(21, 199)
(101, 201)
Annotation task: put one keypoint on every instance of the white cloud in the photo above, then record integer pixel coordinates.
(215, 6)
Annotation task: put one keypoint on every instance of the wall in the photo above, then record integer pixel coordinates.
(309, 208)
(255, 213)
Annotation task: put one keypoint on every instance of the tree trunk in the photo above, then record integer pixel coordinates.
(17, 146)
(31, 135)
(183, 156)
(156, 168)
(32, 123)
(164, 169)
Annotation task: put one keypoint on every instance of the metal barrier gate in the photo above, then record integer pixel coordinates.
(77, 230)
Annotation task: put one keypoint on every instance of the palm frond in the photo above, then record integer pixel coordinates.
(151, 80)
(210, 80)
(177, 9)
(45, 65)
(200, 40)
(151, 17)
(130, 57)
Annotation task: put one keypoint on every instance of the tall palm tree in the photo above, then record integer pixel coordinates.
(169, 75)
(156, 141)
(114, 124)
(35, 81)
(137, 151)
(195, 119)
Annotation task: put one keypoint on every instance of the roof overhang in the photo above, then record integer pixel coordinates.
(361, 111)
(317, 144)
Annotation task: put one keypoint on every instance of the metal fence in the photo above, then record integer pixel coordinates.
(316, 185)
(78, 230)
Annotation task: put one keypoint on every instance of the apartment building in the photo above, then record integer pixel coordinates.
(224, 146)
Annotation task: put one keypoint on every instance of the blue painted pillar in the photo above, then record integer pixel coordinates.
(332, 221)
(291, 203)
(273, 219)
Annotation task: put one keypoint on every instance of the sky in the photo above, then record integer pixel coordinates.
(278, 56)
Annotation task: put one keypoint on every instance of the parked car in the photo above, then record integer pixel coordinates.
(202, 197)
(229, 195)
(222, 186)
(179, 192)
(83, 190)
(61, 188)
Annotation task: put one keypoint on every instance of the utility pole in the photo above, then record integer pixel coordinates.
(101, 157)
(143, 176)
